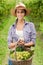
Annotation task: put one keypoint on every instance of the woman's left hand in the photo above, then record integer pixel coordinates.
(21, 42)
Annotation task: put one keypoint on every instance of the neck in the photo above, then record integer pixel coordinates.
(21, 21)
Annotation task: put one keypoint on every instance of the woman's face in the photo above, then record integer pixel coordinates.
(20, 14)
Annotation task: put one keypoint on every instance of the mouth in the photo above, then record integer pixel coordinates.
(19, 16)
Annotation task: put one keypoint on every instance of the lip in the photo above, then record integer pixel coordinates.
(20, 16)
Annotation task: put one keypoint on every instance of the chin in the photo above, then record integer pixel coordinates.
(20, 18)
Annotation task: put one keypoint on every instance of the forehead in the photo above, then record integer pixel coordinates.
(19, 9)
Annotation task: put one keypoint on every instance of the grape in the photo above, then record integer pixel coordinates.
(12, 55)
(21, 55)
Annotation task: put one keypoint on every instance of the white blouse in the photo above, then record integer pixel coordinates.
(20, 34)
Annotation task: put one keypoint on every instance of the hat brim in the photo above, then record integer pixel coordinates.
(20, 7)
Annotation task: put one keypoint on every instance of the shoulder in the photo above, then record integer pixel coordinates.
(12, 27)
(29, 23)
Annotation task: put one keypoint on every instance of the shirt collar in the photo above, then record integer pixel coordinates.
(25, 23)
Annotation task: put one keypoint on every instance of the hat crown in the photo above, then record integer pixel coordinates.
(20, 4)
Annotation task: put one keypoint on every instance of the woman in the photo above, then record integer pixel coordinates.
(21, 32)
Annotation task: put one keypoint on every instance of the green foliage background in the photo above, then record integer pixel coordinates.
(6, 20)
(36, 7)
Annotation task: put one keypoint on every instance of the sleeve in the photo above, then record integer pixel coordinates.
(10, 40)
(33, 32)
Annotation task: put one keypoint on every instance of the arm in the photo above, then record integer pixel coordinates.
(10, 39)
(11, 45)
(29, 44)
(33, 36)
(21, 42)
(26, 44)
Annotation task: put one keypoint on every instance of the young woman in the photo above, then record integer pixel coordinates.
(21, 31)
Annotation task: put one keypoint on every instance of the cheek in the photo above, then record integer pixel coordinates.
(22, 15)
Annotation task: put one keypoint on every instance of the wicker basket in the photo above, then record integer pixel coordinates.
(23, 62)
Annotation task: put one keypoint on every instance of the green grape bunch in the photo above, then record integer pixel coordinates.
(21, 55)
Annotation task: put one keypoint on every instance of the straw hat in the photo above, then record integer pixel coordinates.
(20, 6)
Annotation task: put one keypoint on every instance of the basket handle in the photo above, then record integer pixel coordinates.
(15, 50)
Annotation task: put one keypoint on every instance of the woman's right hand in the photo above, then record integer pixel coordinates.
(12, 45)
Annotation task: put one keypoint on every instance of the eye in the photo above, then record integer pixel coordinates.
(18, 12)
(22, 11)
